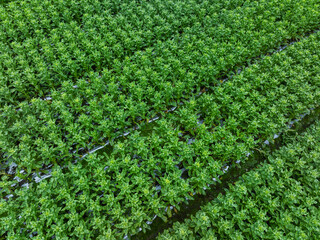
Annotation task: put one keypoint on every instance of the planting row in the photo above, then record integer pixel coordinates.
(71, 55)
(46, 44)
(114, 194)
(85, 111)
(278, 200)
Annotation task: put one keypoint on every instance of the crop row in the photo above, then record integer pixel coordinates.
(87, 110)
(45, 44)
(278, 200)
(115, 194)
(156, 77)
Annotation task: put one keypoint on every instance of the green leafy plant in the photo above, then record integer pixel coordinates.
(75, 74)
(277, 200)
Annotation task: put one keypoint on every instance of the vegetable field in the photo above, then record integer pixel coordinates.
(278, 200)
(116, 114)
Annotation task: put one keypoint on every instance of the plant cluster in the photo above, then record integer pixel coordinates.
(73, 73)
(46, 45)
(278, 200)
(110, 195)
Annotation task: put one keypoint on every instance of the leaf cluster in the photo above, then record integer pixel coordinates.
(116, 193)
(278, 200)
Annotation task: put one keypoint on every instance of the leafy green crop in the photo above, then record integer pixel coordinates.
(76, 73)
(46, 44)
(56, 103)
(278, 200)
(107, 196)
